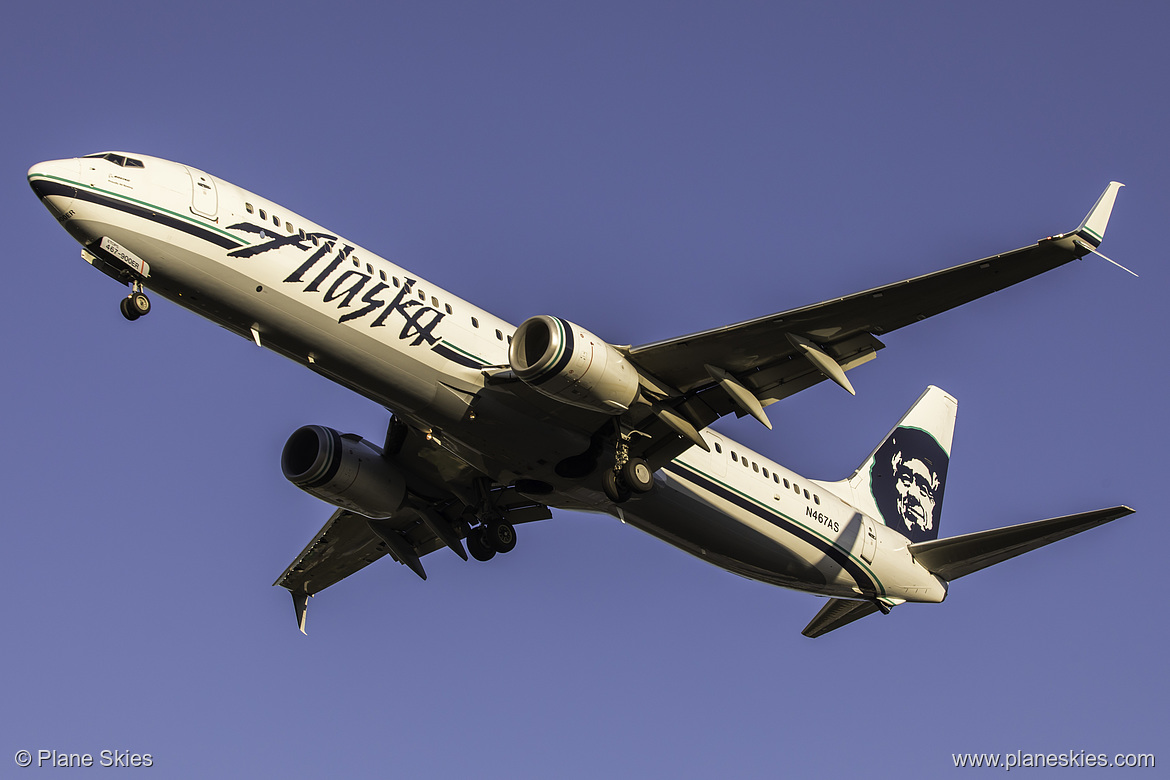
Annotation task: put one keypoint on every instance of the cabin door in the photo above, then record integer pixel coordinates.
(204, 198)
(868, 539)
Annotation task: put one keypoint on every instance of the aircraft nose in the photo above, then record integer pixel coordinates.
(55, 183)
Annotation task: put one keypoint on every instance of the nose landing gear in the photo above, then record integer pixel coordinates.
(136, 304)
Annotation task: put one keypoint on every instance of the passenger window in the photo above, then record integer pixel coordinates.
(734, 457)
(276, 220)
(796, 487)
(816, 499)
(435, 302)
(756, 467)
(447, 308)
(263, 215)
(765, 473)
(776, 478)
(786, 484)
(382, 275)
(474, 322)
(718, 448)
(369, 269)
(806, 495)
(289, 226)
(248, 206)
(499, 335)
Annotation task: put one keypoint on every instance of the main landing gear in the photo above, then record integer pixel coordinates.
(628, 475)
(494, 534)
(136, 304)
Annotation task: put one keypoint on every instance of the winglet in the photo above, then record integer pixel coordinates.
(1093, 228)
(300, 604)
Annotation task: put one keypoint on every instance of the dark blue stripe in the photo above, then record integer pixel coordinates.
(455, 357)
(45, 188)
(864, 581)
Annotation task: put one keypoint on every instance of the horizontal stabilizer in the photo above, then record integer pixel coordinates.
(958, 556)
(837, 613)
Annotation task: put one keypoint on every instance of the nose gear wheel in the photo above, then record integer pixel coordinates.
(136, 304)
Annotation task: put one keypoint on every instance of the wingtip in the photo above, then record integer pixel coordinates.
(1092, 229)
(301, 604)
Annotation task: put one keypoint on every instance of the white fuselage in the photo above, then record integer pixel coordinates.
(275, 277)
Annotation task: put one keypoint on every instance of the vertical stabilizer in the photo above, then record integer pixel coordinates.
(903, 480)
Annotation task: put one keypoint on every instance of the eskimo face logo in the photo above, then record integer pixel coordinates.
(908, 476)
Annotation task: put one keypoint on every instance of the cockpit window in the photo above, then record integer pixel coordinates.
(117, 159)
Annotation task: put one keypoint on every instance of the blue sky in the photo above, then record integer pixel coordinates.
(646, 170)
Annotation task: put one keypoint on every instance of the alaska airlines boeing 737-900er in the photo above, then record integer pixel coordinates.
(492, 425)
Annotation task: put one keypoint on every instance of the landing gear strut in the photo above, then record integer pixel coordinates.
(628, 475)
(136, 304)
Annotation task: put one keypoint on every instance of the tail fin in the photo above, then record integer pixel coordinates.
(903, 479)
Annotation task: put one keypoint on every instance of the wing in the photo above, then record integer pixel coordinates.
(761, 361)
(432, 518)
(349, 542)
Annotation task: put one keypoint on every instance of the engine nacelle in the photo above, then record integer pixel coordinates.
(570, 364)
(343, 469)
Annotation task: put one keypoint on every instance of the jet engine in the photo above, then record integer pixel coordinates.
(568, 363)
(343, 469)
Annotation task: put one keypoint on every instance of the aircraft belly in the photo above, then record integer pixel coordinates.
(726, 536)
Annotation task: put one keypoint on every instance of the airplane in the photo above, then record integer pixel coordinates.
(493, 425)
